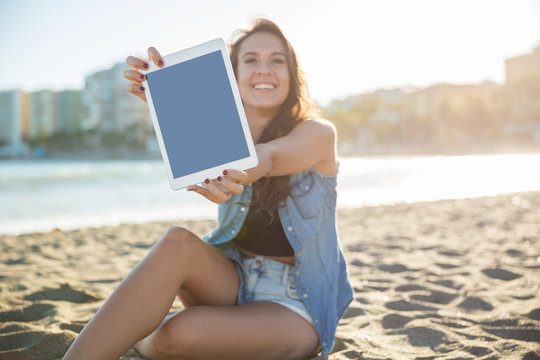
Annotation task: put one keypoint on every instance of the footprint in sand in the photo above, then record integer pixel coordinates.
(33, 312)
(358, 263)
(477, 350)
(498, 273)
(447, 283)
(64, 293)
(423, 336)
(513, 252)
(35, 345)
(516, 333)
(531, 355)
(446, 266)
(13, 327)
(75, 327)
(394, 268)
(142, 245)
(501, 323)
(395, 321)
(16, 261)
(474, 303)
(513, 328)
(353, 312)
(450, 253)
(535, 314)
(453, 324)
(403, 305)
(410, 287)
(352, 354)
(437, 297)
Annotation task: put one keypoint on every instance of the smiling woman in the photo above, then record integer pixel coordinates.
(270, 282)
(263, 76)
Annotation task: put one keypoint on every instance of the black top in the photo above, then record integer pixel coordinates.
(262, 237)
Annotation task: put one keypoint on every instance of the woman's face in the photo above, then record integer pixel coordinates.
(263, 74)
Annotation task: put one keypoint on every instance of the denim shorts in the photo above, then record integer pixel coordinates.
(262, 279)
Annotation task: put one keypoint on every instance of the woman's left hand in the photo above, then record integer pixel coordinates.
(221, 189)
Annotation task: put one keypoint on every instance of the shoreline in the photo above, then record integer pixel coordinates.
(344, 150)
(441, 279)
(53, 229)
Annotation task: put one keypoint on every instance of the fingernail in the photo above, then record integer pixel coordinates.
(142, 77)
(207, 181)
(225, 172)
(219, 178)
(145, 66)
(140, 87)
(160, 62)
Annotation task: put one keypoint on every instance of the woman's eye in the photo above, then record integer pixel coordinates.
(250, 60)
(278, 61)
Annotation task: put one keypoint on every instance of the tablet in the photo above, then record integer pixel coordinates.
(198, 116)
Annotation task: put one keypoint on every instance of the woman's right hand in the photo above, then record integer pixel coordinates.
(222, 188)
(135, 76)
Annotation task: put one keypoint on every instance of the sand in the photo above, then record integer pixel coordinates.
(455, 279)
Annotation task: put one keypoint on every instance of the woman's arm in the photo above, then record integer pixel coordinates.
(311, 143)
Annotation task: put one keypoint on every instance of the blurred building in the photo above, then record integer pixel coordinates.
(523, 69)
(108, 106)
(13, 119)
(453, 114)
(68, 111)
(523, 93)
(42, 121)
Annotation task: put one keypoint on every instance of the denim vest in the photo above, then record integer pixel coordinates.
(308, 217)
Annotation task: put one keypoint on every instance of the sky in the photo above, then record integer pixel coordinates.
(345, 47)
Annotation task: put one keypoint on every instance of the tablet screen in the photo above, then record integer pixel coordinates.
(197, 115)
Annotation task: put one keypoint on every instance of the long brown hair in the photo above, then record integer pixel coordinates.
(269, 192)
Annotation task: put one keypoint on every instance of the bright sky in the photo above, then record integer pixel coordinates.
(346, 47)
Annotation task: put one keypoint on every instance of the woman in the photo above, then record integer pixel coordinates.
(270, 282)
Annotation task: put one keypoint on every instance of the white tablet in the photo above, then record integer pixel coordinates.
(198, 114)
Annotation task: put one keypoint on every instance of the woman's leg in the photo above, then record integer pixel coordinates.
(139, 304)
(259, 330)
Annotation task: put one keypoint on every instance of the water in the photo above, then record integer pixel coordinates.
(47, 194)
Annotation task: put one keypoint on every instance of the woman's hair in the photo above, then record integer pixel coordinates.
(269, 192)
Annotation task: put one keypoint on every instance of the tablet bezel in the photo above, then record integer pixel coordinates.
(210, 173)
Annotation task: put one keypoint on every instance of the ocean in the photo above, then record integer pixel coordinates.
(41, 195)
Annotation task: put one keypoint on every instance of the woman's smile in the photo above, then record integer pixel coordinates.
(264, 87)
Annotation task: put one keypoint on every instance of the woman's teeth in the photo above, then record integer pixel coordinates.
(264, 86)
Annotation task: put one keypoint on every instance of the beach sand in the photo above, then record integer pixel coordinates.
(455, 279)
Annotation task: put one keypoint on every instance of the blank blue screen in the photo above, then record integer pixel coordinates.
(197, 114)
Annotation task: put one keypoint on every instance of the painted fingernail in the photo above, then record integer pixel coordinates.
(142, 77)
(207, 181)
(160, 62)
(141, 88)
(225, 172)
(145, 66)
(219, 178)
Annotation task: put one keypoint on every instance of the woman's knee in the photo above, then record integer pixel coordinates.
(178, 240)
(178, 337)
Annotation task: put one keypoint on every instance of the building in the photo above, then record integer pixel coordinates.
(42, 114)
(523, 93)
(523, 68)
(108, 106)
(68, 111)
(450, 114)
(13, 115)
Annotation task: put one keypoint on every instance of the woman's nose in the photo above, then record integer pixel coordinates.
(263, 68)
